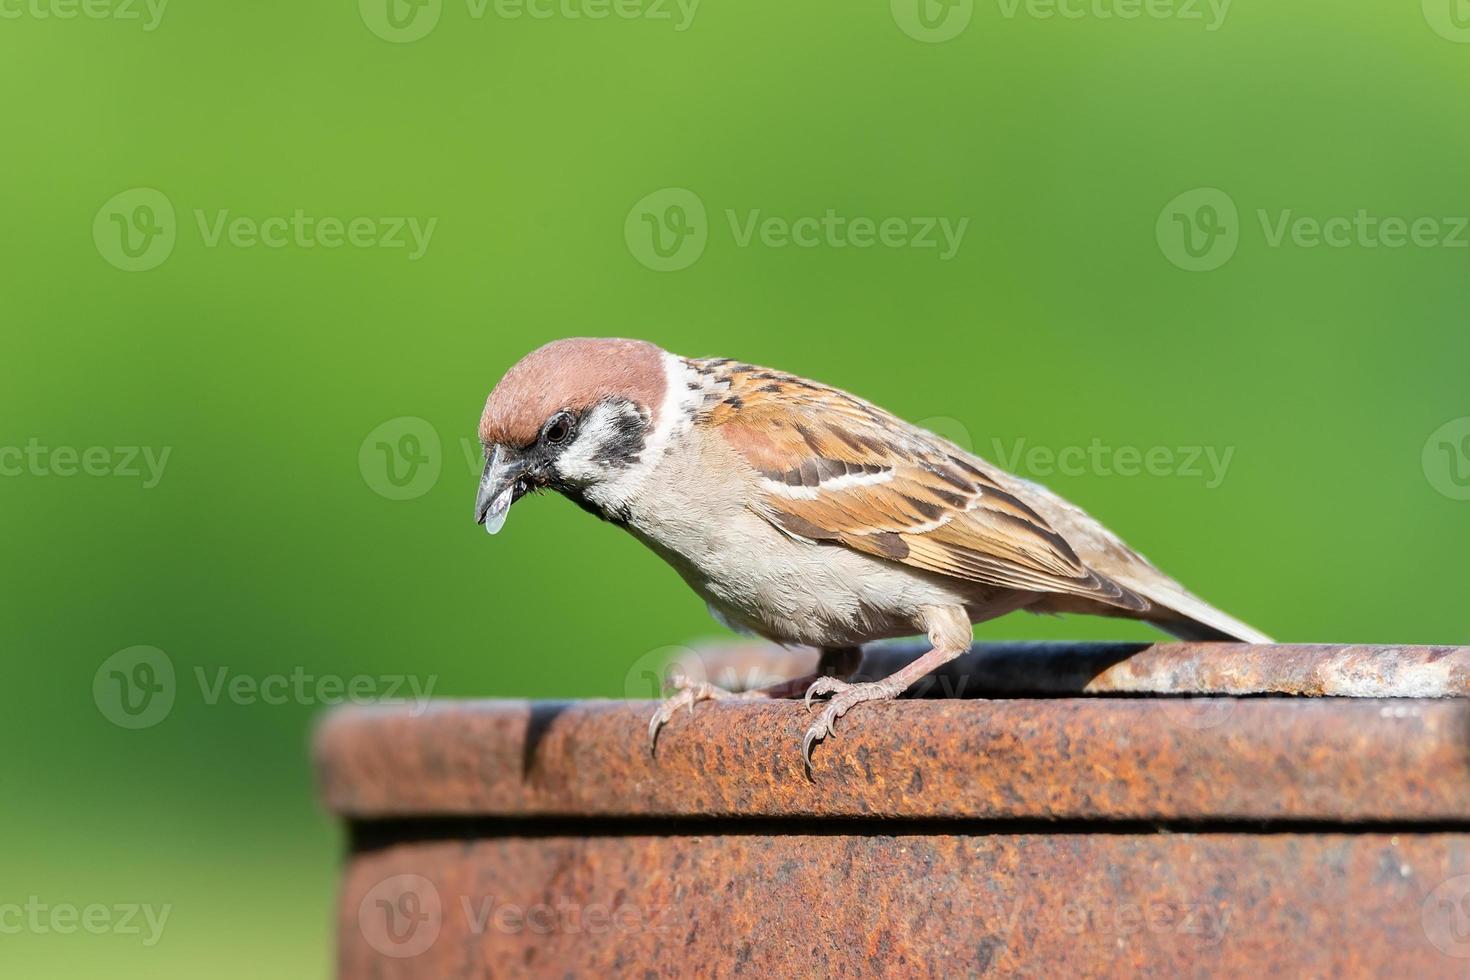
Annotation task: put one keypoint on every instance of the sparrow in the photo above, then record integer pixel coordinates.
(806, 515)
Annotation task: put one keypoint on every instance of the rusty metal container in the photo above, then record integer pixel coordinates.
(1042, 809)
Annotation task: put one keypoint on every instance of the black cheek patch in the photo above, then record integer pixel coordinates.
(624, 446)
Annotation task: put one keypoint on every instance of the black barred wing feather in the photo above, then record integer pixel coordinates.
(831, 467)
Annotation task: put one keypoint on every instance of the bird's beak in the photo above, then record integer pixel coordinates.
(501, 485)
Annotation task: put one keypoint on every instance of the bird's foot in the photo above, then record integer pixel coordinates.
(688, 693)
(844, 696)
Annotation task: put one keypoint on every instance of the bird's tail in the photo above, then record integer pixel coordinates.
(1181, 613)
(1193, 629)
(1152, 596)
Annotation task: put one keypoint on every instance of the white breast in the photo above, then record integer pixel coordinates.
(694, 514)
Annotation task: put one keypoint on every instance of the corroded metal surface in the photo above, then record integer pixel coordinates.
(1165, 759)
(1011, 669)
(940, 836)
(1328, 905)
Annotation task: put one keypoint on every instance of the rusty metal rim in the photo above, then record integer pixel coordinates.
(1059, 669)
(1095, 759)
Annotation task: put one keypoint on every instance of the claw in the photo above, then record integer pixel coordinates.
(824, 685)
(845, 697)
(688, 693)
(659, 720)
(826, 724)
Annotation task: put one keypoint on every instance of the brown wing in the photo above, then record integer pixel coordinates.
(832, 467)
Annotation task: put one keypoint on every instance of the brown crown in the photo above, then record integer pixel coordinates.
(574, 374)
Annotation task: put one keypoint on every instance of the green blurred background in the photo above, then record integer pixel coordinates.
(272, 542)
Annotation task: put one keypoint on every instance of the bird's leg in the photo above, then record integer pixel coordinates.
(949, 631)
(836, 662)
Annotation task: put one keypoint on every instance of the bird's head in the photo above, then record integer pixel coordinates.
(575, 416)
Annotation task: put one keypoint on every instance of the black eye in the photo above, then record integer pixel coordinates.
(559, 429)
